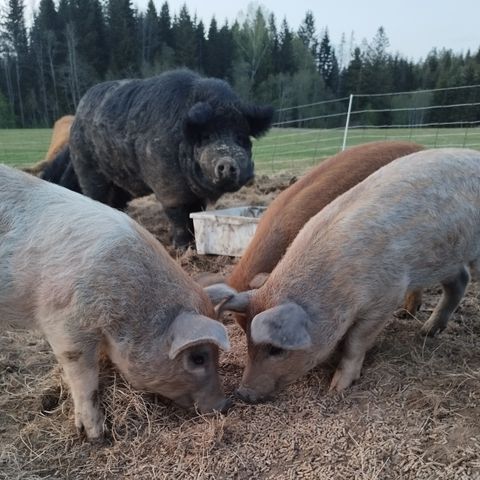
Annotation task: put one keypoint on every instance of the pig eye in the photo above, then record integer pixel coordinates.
(198, 358)
(244, 142)
(275, 351)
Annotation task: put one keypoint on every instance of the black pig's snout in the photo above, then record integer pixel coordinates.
(226, 168)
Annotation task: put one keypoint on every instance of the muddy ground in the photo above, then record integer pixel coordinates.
(414, 414)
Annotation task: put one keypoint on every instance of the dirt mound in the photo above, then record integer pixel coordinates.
(414, 414)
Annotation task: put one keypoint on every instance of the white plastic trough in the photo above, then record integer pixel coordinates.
(227, 231)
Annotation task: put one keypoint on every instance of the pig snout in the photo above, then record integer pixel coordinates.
(250, 395)
(204, 405)
(227, 170)
(221, 406)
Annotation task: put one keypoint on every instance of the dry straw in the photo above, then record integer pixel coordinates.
(414, 414)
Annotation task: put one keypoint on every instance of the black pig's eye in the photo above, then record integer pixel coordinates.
(244, 142)
(198, 358)
(275, 351)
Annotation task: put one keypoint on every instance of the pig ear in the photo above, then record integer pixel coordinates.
(197, 117)
(190, 329)
(237, 303)
(227, 298)
(259, 119)
(219, 292)
(284, 326)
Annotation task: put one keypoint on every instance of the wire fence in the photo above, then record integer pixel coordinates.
(305, 134)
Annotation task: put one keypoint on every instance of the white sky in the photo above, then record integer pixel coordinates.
(413, 27)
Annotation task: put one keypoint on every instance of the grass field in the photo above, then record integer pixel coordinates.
(282, 149)
(296, 149)
(21, 147)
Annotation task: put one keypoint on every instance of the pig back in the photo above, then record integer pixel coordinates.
(407, 225)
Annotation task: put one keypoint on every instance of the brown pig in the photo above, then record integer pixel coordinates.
(93, 280)
(60, 137)
(289, 212)
(412, 224)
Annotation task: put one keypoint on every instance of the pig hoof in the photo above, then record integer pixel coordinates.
(404, 313)
(430, 330)
(94, 436)
(435, 324)
(341, 380)
(183, 241)
(249, 396)
(92, 429)
(226, 406)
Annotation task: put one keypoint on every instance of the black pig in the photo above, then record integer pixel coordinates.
(184, 137)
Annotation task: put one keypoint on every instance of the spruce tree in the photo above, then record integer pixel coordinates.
(165, 26)
(91, 32)
(274, 53)
(184, 39)
(286, 62)
(200, 47)
(150, 34)
(212, 60)
(122, 39)
(16, 50)
(48, 53)
(307, 33)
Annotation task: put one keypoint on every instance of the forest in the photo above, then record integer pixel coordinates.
(47, 66)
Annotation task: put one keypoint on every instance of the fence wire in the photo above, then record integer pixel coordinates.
(305, 134)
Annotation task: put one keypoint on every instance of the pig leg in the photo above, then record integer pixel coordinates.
(358, 340)
(182, 224)
(474, 268)
(413, 301)
(69, 179)
(118, 197)
(78, 357)
(453, 291)
(94, 184)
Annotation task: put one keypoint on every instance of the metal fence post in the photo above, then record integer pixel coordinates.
(347, 122)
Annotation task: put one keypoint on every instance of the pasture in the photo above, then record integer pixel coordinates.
(414, 414)
(282, 149)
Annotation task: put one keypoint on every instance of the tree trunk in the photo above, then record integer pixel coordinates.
(20, 99)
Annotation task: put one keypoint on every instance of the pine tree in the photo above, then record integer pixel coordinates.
(287, 62)
(226, 51)
(90, 35)
(212, 60)
(122, 39)
(184, 39)
(352, 77)
(165, 26)
(48, 53)
(16, 50)
(325, 57)
(200, 47)
(307, 33)
(150, 34)
(274, 44)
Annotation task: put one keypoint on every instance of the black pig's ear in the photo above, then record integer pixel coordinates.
(259, 119)
(197, 117)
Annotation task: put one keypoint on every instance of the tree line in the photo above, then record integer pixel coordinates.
(74, 44)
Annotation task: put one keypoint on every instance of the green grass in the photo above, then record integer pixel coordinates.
(282, 149)
(22, 147)
(297, 149)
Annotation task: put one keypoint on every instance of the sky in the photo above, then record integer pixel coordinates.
(413, 27)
